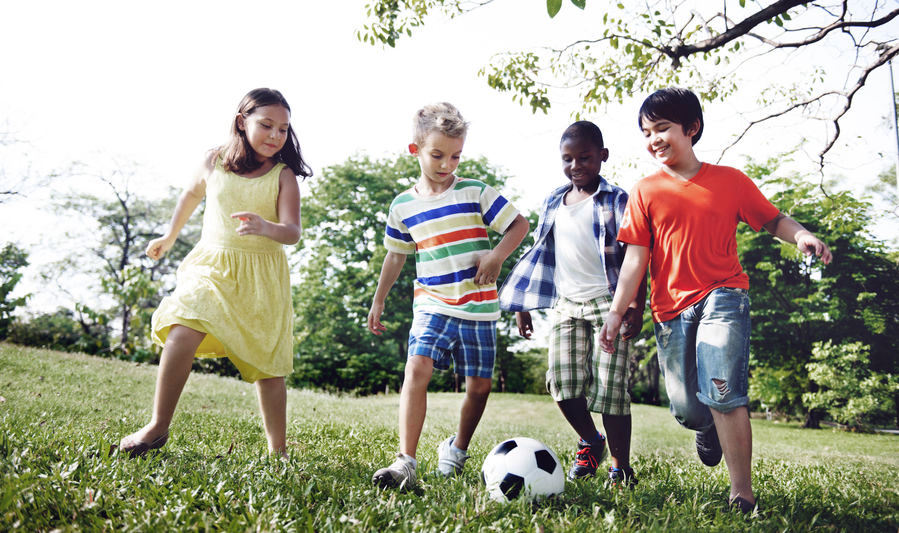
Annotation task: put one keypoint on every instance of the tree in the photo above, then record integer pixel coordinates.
(642, 45)
(850, 392)
(797, 302)
(343, 220)
(12, 261)
(123, 224)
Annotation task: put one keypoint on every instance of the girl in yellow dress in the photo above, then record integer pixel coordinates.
(233, 296)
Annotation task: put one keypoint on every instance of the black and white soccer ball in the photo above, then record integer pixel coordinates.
(522, 468)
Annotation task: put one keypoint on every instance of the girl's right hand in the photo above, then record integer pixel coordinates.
(157, 248)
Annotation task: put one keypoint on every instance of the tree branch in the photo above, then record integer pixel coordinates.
(740, 29)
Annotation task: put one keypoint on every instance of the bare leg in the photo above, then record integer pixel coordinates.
(174, 369)
(414, 401)
(476, 392)
(618, 433)
(579, 417)
(735, 434)
(272, 393)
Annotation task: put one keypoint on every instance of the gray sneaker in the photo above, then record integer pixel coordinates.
(449, 461)
(399, 475)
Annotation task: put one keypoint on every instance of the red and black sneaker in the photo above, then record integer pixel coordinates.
(588, 458)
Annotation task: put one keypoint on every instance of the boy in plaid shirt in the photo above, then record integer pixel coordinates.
(573, 269)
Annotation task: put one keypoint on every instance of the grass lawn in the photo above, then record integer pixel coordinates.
(60, 415)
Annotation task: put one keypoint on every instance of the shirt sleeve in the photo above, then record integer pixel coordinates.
(498, 212)
(397, 237)
(755, 209)
(635, 225)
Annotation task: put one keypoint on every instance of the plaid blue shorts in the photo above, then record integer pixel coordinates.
(469, 344)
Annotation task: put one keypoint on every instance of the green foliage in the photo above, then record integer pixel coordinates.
(797, 301)
(63, 330)
(343, 221)
(636, 47)
(12, 261)
(62, 414)
(390, 19)
(850, 392)
(122, 226)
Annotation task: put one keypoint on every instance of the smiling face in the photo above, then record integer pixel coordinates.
(582, 161)
(670, 143)
(266, 129)
(438, 156)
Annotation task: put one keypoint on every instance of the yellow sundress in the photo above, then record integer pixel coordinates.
(235, 288)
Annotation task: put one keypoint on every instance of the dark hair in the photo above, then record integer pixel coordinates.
(237, 154)
(583, 129)
(678, 105)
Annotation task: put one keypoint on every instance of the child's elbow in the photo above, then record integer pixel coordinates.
(296, 234)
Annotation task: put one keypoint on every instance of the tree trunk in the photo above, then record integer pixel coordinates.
(812, 419)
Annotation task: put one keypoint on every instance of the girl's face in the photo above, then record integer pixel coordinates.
(266, 129)
(582, 161)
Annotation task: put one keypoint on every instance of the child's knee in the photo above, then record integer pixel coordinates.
(419, 368)
(478, 388)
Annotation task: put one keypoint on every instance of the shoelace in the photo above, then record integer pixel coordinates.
(583, 457)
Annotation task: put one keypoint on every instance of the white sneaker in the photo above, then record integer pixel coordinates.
(449, 461)
(400, 474)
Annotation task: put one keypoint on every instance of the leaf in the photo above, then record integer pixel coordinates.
(553, 7)
(580, 3)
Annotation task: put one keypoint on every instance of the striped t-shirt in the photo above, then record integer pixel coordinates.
(448, 233)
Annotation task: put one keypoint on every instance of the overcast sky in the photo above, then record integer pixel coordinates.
(155, 84)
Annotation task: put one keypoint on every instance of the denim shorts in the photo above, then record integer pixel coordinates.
(704, 357)
(469, 344)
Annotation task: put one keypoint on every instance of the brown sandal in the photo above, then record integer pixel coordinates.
(139, 449)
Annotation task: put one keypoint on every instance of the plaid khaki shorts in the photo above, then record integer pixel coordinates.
(577, 365)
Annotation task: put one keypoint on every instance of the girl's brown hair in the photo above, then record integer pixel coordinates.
(237, 154)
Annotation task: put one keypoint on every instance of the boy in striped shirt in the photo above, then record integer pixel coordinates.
(443, 220)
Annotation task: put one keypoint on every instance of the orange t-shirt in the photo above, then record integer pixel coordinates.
(690, 228)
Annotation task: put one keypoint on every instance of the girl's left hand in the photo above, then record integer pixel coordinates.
(250, 223)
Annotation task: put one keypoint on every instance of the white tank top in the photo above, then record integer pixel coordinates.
(579, 274)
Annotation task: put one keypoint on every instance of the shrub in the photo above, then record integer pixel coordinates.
(850, 392)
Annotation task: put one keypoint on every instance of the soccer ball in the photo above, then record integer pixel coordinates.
(522, 467)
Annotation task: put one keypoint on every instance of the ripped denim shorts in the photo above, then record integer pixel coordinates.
(704, 357)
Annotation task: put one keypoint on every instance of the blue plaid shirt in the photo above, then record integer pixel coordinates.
(530, 285)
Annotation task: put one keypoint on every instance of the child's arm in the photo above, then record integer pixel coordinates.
(633, 271)
(287, 229)
(390, 271)
(524, 323)
(490, 264)
(632, 322)
(187, 203)
(787, 229)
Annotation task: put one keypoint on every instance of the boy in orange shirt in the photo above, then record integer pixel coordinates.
(681, 221)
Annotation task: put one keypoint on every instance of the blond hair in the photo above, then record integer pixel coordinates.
(443, 118)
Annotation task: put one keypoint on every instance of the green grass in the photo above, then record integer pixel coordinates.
(62, 413)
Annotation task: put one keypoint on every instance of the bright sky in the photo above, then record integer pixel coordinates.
(110, 83)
